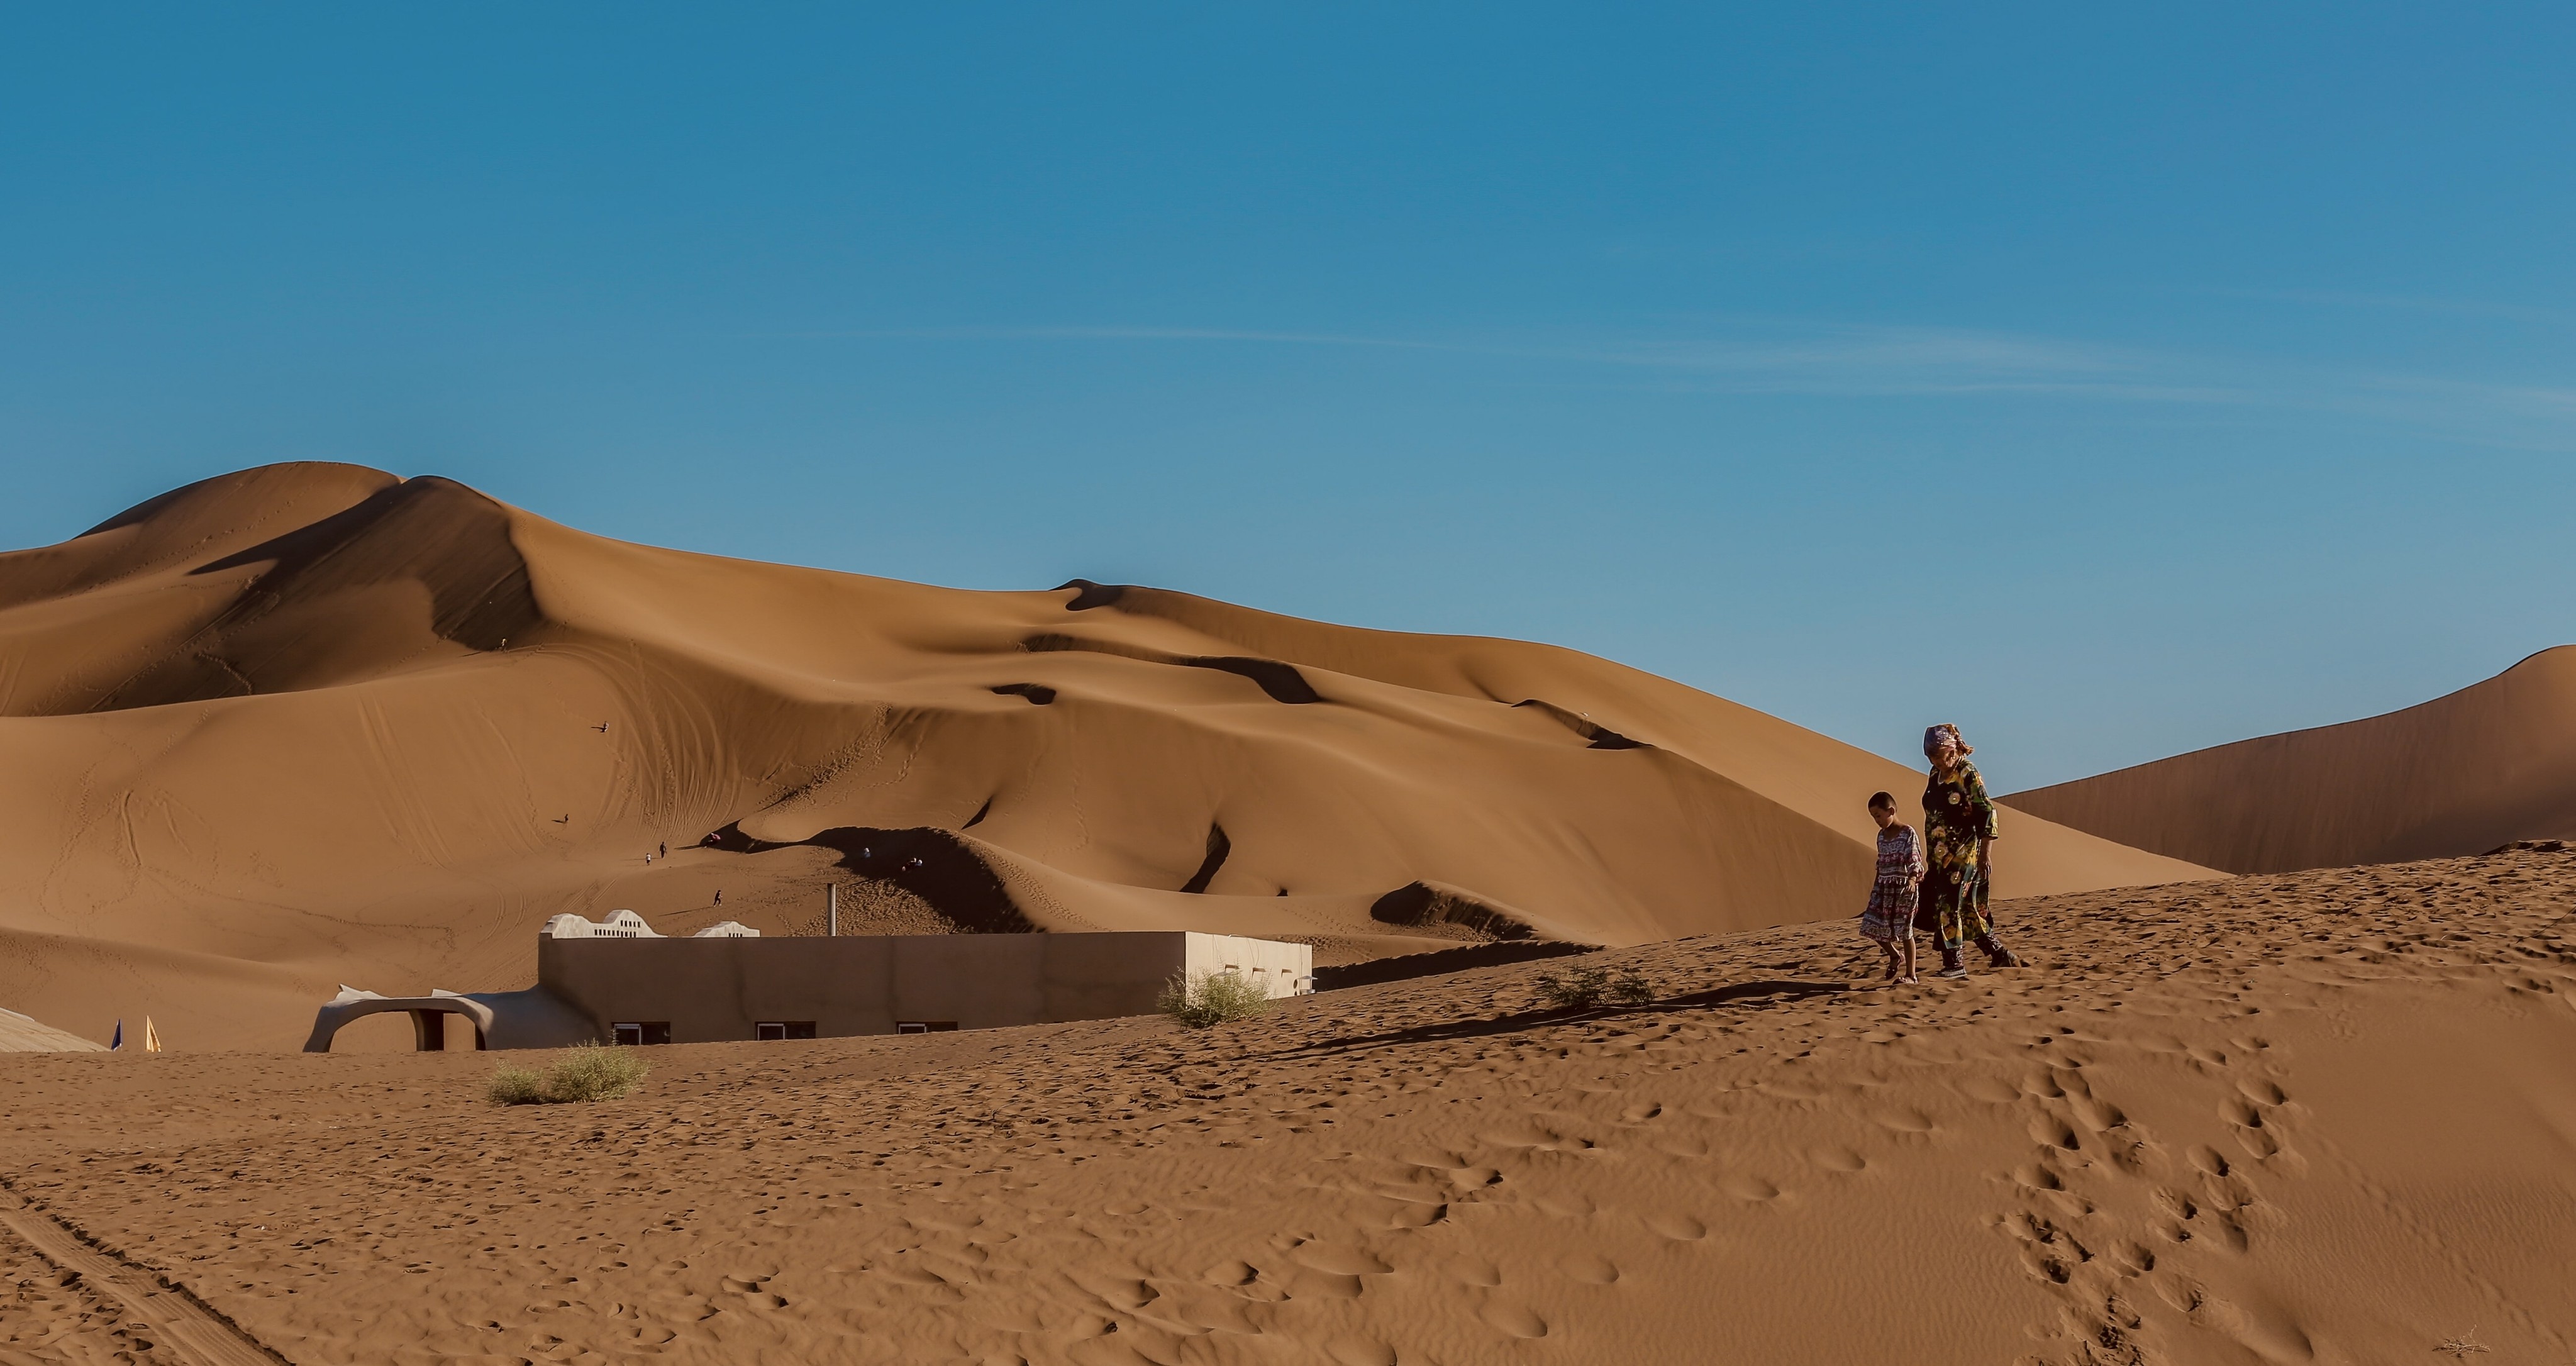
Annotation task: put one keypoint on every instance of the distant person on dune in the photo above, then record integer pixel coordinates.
(1892, 898)
(1958, 825)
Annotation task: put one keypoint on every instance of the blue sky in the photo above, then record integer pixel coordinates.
(2112, 383)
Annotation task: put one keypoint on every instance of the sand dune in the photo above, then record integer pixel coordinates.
(2221, 1123)
(2485, 766)
(310, 724)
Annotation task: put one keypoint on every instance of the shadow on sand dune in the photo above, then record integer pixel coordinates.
(1767, 992)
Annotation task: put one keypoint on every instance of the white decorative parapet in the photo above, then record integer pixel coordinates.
(629, 925)
(618, 925)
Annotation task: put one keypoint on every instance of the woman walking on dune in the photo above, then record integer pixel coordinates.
(1958, 824)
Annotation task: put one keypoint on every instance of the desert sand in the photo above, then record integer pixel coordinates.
(2483, 767)
(311, 724)
(2317, 1117)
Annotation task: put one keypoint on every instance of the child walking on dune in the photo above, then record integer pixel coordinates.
(1890, 917)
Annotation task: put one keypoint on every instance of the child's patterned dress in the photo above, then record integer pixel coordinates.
(1890, 917)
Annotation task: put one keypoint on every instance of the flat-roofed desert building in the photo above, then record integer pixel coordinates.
(615, 980)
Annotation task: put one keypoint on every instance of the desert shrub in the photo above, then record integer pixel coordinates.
(589, 1072)
(1585, 987)
(1212, 998)
(515, 1086)
(595, 1073)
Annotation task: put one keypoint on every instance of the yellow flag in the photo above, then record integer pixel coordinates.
(151, 1036)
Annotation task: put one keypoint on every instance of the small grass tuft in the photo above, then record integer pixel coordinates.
(593, 1072)
(2463, 1347)
(1209, 998)
(590, 1072)
(1586, 987)
(515, 1086)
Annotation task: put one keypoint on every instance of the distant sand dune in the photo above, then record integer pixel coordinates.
(2481, 768)
(309, 724)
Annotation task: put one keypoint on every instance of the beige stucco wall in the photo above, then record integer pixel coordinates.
(717, 989)
(1286, 969)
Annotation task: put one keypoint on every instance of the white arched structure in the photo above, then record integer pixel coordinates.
(502, 1019)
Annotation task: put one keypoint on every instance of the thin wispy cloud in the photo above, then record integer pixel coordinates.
(1904, 361)
(1853, 359)
(2406, 303)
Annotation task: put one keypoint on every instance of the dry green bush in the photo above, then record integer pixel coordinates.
(590, 1072)
(1585, 987)
(1209, 998)
(515, 1086)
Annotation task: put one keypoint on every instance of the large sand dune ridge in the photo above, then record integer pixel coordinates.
(2462, 774)
(308, 723)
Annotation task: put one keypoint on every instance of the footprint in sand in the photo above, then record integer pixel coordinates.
(1838, 1159)
(1340, 1260)
(1903, 1121)
(2100, 1116)
(2038, 1176)
(2263, 1093)
(1475, 1271)
(1744, 1187)
(2042, 1084)
(2051, 1132)
(1592, 1269)
(1566, 1204)
(1993, 1090)
(1413, 1216)
(2181, 1214)
(1513, 1318)
(1361, 1352)
(1681, 1228)
(2267, 1338)
(2251, 1134)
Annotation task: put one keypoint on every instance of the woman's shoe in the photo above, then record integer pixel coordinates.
(1950, 964)
(1996, 953)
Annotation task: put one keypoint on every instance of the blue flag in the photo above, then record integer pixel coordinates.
(119, 1041)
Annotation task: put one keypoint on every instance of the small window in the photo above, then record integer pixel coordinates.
(924, 1026)
(636, 1032)
(783, 1029)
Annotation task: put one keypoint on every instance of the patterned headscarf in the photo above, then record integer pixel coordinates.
(1933, 736)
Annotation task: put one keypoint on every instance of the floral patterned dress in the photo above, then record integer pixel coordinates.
(1957, 819)
(1890, 917)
